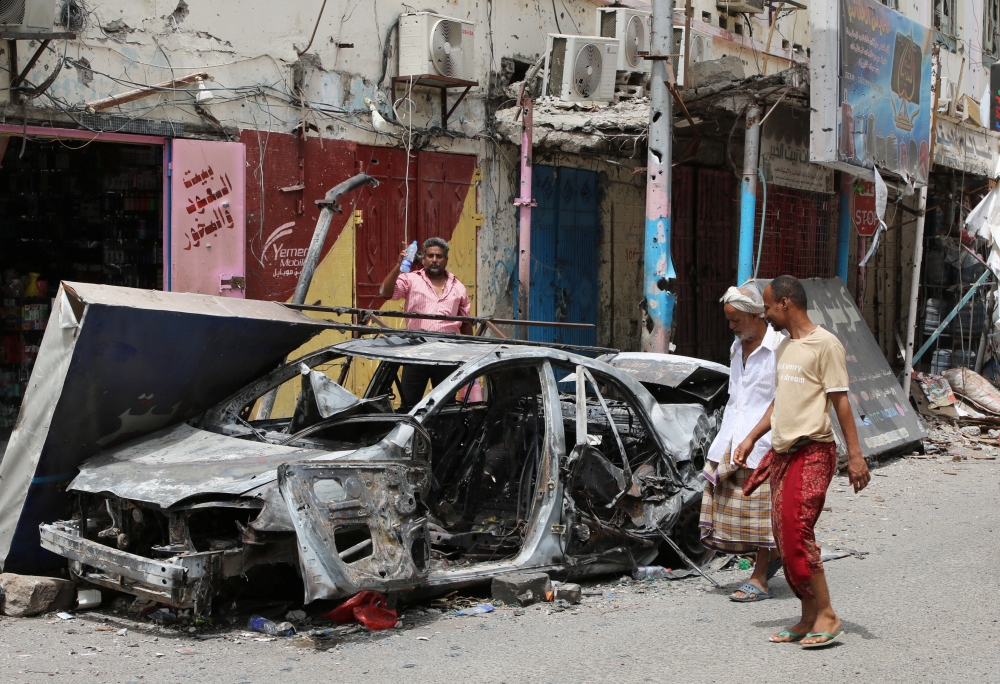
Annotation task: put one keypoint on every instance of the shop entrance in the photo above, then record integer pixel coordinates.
(76, 210)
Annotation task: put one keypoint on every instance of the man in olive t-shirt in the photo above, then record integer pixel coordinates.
(810, 379)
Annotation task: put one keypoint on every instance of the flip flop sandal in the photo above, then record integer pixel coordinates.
(753, 593)
(772, 568)
(830, 638)
(795, 638)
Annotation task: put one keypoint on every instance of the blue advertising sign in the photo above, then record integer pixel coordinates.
(885, 90)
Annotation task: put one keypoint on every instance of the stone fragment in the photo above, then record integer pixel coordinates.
(520, 588)
(571, 593)
(27, 595)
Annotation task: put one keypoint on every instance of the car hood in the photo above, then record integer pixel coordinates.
(180, 462)
(697, 377)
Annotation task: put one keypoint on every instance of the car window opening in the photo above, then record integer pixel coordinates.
(486, 458)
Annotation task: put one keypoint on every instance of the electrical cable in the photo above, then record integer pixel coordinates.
(315, 28)
(763, 215)
(385, 51)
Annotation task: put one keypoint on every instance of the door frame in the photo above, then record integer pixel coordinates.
(126, 138)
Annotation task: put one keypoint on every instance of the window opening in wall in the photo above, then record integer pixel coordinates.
(991, 31)
(891, 4)
(944, 17)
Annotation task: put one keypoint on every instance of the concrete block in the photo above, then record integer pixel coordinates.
(571, 593)
(520, 588)
(26, 595)
(727, 68)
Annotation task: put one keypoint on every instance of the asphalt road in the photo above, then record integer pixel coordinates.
(922, 605)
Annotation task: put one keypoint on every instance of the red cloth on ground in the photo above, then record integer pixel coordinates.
(799, 481)
(366, 607)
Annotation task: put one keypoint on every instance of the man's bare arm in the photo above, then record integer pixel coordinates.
(389, 284)
(857, 469)
(759, 430)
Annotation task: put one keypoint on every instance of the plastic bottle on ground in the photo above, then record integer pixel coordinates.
(650, 572)
(411, 253)
(265, 626)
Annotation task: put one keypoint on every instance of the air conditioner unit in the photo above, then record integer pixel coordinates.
(740, 6)
(580, 68)
(701, 51)
(28, 16)
(948, 94)
(631, 28)
(432, 44)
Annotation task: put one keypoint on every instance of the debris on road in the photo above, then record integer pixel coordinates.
(88, 599)
(481, 609)
(974, 388)
(520, 588)
(367, 607)
(569, 592)
(27, 595)
(261, 624)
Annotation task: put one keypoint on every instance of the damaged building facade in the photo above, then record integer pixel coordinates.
(183, 146)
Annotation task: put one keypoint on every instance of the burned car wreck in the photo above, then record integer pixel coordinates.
(523, 458)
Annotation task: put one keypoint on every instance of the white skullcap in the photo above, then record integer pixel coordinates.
(746, 299)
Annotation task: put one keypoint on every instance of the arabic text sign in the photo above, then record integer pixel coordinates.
(965, 148)
(864, 217)
(885, 90)
(207, 219)
(784, 153)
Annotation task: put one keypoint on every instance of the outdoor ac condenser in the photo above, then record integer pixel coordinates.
(28, 16)
(433, 44)
(631, 28)
(740, 6)
(580, 68)
(701, 51)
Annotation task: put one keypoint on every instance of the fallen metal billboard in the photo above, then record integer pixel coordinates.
(882, 413)
(116, 363)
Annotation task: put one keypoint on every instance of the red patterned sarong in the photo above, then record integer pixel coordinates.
(799, 481)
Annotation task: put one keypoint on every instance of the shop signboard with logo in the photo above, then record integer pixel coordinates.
(875, 110)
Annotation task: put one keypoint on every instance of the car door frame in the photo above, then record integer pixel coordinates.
(543, 544)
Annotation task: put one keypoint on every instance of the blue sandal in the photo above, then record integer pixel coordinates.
(795, 638)
(830, 638)
(753, 593)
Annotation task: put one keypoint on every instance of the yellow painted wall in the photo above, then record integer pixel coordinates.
(333, 284)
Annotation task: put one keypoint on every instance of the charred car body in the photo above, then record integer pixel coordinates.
(515, 475)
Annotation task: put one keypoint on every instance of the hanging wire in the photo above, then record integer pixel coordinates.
(763, 215)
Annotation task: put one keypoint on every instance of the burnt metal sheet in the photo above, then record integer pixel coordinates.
(882, 413)
(180, 462)
(413, 350)
(703, 379)
(116, 363)
(374, 500)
